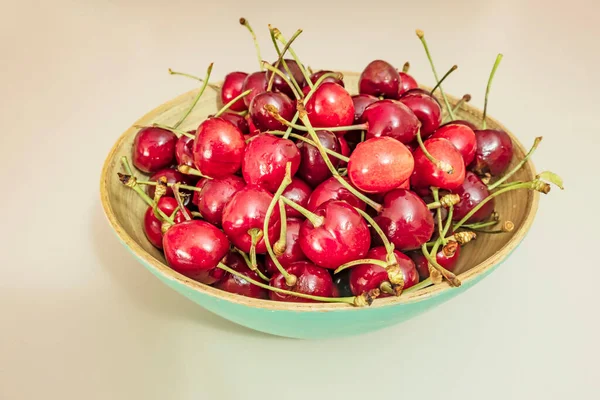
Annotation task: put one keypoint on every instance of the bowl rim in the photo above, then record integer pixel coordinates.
(168, 274)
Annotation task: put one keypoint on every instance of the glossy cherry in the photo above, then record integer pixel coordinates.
(265, 160)
(445, 260)
(343, 236)
(464, 122)
(315, 77)
(173, 176)
(280, 85)
(330, 106)
(194, 248)
(345, 150)
(427, 109)
(218, 148)
(246, 210)
(366, 277)
(405, 220)
(379, 78)
(313, 169)
(292, 252)
(214, 194)
(332, 189)
(407, 82)
(153, 225)
(494, 152)
(361, 102)
(299, 192)
(252, 129)
(184, 150)
(428, 174)
(391, 118)
(380, 164)
(312, 280)
(232, 87)
(256, 82)
(234, 284)
(462, 137)
(153, 149)
(472, 192)
(262, 119)
(237, 120)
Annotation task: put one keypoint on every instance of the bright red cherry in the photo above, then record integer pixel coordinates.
(494, 152)
(447, 259)
(407, 82)
(153, 149)
(342, 237)
(184, 151)
(405, 220)
(315, 77)
(232, 87)
(428, 174)
(462, 137)
(332, 189)
(299, 192)
(153, 226)
(292, 252)
(263, 119)
(391, 118)
(427, 109)
(380, 164)
(218, 148)
(257, 82)
(313, 169)
(214, 194)
(280, 85)
(312, 280)
(234, 284)
(265, 160)
(472, 192)
(237, 120)
(330, 106)
(361, 102)
(194, 248)
(379, 78)
(173, 176)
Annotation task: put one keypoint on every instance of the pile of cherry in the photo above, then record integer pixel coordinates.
(298, 191)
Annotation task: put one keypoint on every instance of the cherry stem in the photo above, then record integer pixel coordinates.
(421, 36)
(275, 71)
(180, 204)
(450, 277)
(255, 236)
(196, 78)
(356, 301)
(281, 60)
(421, 285)
(444, 166)
(306, 140)
(129, 181)
(382, 264)
(244, 22)
(232, 102)
(280, 55)
(487, 89)
(177, 132)
(161, 189)
(273, 111)
(186, 187)
(517, 167)
(172, 216)
(406, 67)
(451, 70)
(249, 264)
(448, 221)
(200, 93)
(280, 245)
(436, 197)
(279, 36)
(314, 219)
(187, 170)
(386, 243)
(465, 99)
(480, 225)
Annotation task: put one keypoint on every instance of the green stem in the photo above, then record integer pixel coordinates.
(249, 264)
(287, 44)
(314, 219)
(465, 99)
(450, 277)
(177, 132)
(183, 209)
(187, 170)
(186, 187)
(421, 285)
(125, 163)
(189, 110)
(280, 55)
(442, 165)
(281, 243)
(255, 236)
(438, 214)
(196, 78)
(517, 167)
(406, 67)
(244, 22)
(306, 140)
(132, 184)
(172, 216)
(479, 225)
(275, 71)
(232, 102)
(487, 89)
(448, 221)
(273, 111)
(386, 243)
(280, 58)
(382, 264)
(451, 70)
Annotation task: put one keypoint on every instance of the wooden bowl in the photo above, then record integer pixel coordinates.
(125, 210)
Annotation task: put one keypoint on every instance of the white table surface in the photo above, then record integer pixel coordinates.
(81, 319)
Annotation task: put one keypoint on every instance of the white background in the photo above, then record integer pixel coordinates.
(81, 319)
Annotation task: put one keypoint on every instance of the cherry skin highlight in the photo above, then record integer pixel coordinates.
(313, 169)
(472, 192)
(462, 137)
(232, 87)
(299, 192)
(262, 119)
(380, 164)
(153, 149)
(292, 252)
(256, 82)
(240, 122)
(234, 284)
(391, 118)
(330, 106)
(494, 152)
(361, 102)
(184, 150)
(312, 280)
(213, 196)
(427, 109)
(218, 148)
(407, 82)
(153, 226)
(427, 174)
(331, 189)
(379, 78)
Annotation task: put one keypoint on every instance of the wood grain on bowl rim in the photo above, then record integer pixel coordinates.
(162, 269)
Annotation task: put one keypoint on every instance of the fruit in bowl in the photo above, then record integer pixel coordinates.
(318, 209)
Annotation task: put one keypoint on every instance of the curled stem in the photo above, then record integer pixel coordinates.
(200, 93)
(487, 90)
(517, 167)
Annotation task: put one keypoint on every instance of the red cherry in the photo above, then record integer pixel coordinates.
(427, 174)
(427, 109)
(462, 137)
(366, 277)
(344, 149)
(184, 152)
(214, 194)
(153, 149)
(313, 169)
(472, 192)
(240, 122)
(280, 85)
(257, 82)
(494, 152)
(265, 160)
(194, 248)
(234, 284)
(361, 102)
(312, 280)
(153, 226)
(446, 261)
(262, 119)
(341, 281)
(407, 82)
(344, 236)
(464, 122)
(245, 211)
(405, 220)
(218, 148)
(331, 189)
(173, 176)
(391, 118)
(232, 87)
(380, 164)
(315, 77)
(292, 252)
(379, 78)
(298, 192)
(330, 106)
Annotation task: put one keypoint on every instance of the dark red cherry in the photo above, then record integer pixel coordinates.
(494, 152)
(232, 87)
(315, 77)
(391, 118)
(299, 192)
(313, 169)
(361, 102)
(427, 174)
(332, 189)
(214, 194)
(472, 192)
(365, 277)
(379, 78)
(293, 252)
(153, 149)
(380, 164)
(407, 82)
(257, 82)
(234, 284)
(173, 176)
(447, 260)
(265, 160)
(218, 148)
(247, 210)
(194, 248)
(344, 236)
(427, 109)
(184, 150)
(152, 225)
(345, 149)
(330, 106)
(252, 129)
(262, 119)
(405, 220)
(312, 280)
(462, 137)
(280, 85)
(239, 121)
